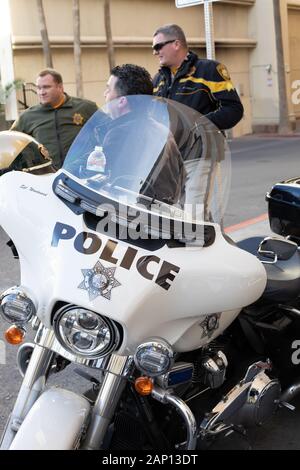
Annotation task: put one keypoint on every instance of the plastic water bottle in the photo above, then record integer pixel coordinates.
(96, 160)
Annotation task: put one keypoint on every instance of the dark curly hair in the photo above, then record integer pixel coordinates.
(132, 80)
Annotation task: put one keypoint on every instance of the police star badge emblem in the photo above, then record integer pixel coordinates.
(99, 281)
(222, 69)
(77, 119)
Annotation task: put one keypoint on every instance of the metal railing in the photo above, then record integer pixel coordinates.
(27, 95)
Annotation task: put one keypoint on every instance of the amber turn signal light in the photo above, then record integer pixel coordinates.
(143, 385)
(14, 335)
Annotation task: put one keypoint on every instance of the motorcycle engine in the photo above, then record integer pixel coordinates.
(210, 368)
(214, 368)
(262, 401)
(250, 403)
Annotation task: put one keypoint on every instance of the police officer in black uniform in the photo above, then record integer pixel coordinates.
(202, 84)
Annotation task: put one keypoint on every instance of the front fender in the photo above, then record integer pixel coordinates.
(54, 422)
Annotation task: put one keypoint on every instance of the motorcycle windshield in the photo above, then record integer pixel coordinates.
(152, 156)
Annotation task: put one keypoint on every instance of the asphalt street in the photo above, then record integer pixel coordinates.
(257, 164)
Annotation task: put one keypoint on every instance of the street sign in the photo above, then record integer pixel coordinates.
(190, 3)
(208, 20)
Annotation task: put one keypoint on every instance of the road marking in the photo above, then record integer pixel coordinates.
(253, 148)
(261, 146)
(246, 223)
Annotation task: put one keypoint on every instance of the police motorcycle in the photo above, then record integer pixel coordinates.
(127, 273)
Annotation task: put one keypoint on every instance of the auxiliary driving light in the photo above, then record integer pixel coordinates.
(84, 332)
(16, 306)
(154, 357)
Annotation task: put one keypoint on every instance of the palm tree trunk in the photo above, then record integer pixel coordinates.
(44, 34)
(77, 48)
(109, 40)
(284, 122)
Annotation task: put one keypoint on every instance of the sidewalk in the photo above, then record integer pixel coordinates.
(257, 227)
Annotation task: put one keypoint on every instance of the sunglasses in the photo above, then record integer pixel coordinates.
(157, 47)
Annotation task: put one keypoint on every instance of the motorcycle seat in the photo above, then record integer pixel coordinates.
(281, 259)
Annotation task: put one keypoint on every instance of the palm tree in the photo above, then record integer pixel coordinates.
(44, 34)
(284, 122)
(77, 48)
(109, 40)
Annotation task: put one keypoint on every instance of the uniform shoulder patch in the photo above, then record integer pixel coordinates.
(223, 71)
(78, 119)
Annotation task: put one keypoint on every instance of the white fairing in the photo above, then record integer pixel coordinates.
(53, 423)
(219, 278)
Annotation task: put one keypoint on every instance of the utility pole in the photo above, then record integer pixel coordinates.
(209, 31)
(77, 48)
(6, 63)
(284, 126)
(208, 22)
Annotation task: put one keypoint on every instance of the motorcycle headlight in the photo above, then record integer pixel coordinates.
(16, 306)
(84, 332)
(154, 357)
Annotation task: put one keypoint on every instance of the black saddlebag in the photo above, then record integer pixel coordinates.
(284, 208)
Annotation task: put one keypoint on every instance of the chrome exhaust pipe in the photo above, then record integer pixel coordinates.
(291, 392)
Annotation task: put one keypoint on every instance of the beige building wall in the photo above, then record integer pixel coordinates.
(263, 66)
(263, 63)
(133, 24)
(244, 38)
